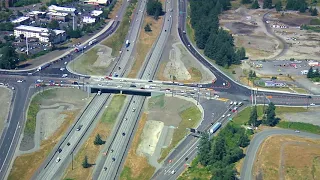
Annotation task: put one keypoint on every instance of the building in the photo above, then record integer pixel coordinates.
(58, 16)
(98, 2)
(36, 14)
(274, 84)
(40, 33)
(21, 20)
(88, 20)
(54, 8)
(96, 13)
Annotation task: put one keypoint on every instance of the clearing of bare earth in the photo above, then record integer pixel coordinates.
(93, 62)
(249, 31)
(5, 99)
(281, 157)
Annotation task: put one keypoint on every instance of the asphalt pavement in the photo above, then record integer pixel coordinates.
(252, 149)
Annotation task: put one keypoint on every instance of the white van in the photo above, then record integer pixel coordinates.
(65, 75)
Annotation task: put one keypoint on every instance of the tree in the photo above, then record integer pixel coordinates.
(43, 8)
(53, 24)
(241, 53)
(204, 149)
(245, 1)
(218, 150)
(19, 14)
(85, 163)
(98, 140)
(8, 58)
(244, 140)
(154, 8)
(314, 12)
(310, 73)
(278, 6)
(223, 173)
(267, 4)
(255, 5)
(271, 115)
(253, 120)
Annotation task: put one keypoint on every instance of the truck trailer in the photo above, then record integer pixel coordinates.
(214, 127)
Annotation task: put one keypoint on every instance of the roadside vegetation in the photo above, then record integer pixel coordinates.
(150, 30)
(190, 118)
(117, 39)
(90, 148)
(137, 167)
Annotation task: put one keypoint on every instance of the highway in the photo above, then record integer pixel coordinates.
(252, 149)
(117, 151)
(57, 162)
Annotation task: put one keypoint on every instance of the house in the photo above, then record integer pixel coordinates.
(42, 34)
(21, 20)
(54, 8)
(88, 20)
(58, 16)
(98, 2)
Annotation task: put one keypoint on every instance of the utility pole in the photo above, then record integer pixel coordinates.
(73, 23)
(27, 45)
(255, 98)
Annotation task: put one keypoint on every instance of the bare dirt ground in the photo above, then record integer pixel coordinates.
(307, 117)
(250, 32)
(288, 157)
(5, 99)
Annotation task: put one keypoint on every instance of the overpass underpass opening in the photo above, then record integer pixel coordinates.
(118, 91)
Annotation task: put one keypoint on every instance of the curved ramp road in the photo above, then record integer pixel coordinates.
(246, 171)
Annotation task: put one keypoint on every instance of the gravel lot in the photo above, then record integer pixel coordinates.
(5, 99)
(312, 116)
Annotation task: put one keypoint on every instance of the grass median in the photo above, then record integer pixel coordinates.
(117, 39)
(190, 118)
(104, 128)
(137, 167)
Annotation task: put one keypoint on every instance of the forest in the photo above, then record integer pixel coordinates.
(217, 43)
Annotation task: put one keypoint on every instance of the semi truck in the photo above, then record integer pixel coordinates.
(127, 43)
(79, 48)
(92, 42)
(43, 67)
(214, 127)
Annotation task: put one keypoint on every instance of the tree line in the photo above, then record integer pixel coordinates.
(314, 74)
(220, 153)
(217, 43)
(269, 116)
(154, 8)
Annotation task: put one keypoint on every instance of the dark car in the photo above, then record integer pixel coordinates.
(132, 85)
(59, 150)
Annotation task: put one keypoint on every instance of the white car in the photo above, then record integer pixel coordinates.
(20, 81)
(228, 115)
(312, 104)
(62, 69)
(39, 80)
(223, 116)
(296, 131)
(173, 172)
(231, 103)
(58, 159)
(133, 109)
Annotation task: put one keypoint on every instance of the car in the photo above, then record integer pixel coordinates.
(79, 127)
(105, 168)
(59, 150)
(64, 75)
(297, 131)
(235, 103)
(132, 85)
(223, 116)
(12, 88)
(150, 81)
(123, 134)
(62, 69)
(20, 81)
(125, 119)
(228, 115)
(231, 102)
(58, 159)
(133, 109)
(312, 104)
(68, 144)
(113, 159)
(173, 172)
(99, 84)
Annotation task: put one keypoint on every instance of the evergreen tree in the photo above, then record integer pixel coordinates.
(246, 1)
(314, 12)
(267, 4)
(310, 73)
(85, 163)
(98, 140)
(204, 149)
(271, 115)
(223, 173)
(154, 8)
(244, 140)
(303, 8)
(253, 120)
(278, 6)
(218, 150)
(147, 28)
(255, 5)
(291, 4)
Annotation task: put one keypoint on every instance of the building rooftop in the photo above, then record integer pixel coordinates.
(36, 12)
(57, 14)
(42, 31)
(96, 13)
(58, 8)
(20, 19)
(89, 20)
(97, 1)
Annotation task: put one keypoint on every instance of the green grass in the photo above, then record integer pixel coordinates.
(84, 64)
(118, 38)
(156, 101)
(315, 21)
(111, 114)
(190, 30)
(192, 113)
(243, 116)
(33, 110)
(306, 127)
